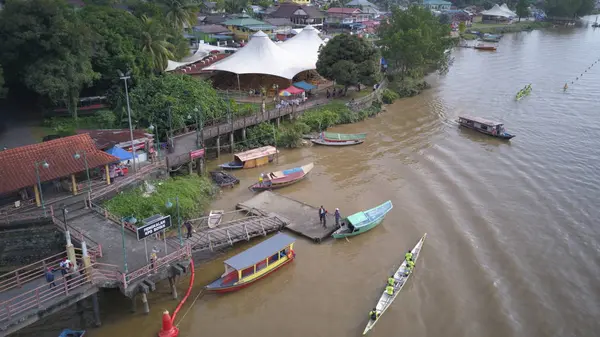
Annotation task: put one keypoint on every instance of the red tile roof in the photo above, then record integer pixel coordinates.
(338, 10)
(17, 166)
(107, 138)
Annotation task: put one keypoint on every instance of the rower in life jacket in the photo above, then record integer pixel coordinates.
(389, 290)
(374, 314)
(391, 281)
(408, 256)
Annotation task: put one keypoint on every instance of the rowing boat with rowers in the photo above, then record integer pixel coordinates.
(400, 278)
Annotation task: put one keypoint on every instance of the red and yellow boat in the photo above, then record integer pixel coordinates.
(255, 263)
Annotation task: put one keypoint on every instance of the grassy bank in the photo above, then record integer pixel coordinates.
(468, 36)
(194, 192)
(499, 28)
(407, 86)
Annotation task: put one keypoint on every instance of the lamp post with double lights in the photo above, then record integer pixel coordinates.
(45, 165)
(169, 204)
(77, 156)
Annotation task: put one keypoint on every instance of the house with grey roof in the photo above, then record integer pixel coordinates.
(299, 15)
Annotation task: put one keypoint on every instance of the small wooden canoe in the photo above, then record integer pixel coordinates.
(72, 333)
(337, 143)
(214, 218)
(361, 222)
(279, 179)
(484, 47)
(224, 179)
(342, 137)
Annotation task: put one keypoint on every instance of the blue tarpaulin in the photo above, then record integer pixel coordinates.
(304, 85)
(120, 153)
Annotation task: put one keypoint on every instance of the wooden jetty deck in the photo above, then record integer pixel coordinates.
(227, 234)
(301, 218)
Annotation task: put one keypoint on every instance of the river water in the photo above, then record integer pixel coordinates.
(512, 247)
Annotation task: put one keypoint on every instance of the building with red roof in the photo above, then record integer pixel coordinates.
(21, 167)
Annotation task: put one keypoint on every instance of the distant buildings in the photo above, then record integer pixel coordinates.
(299, 15)
(338, 15)
(438, 5)
(244, 26)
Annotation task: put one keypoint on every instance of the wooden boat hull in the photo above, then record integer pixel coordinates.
(504, 136)
(486, 48)
(231, 166)
(342, 137)
(284, 178)
(336, 235)
(236, 287)
(340, 143)
(385, 301)
(214, 218)
(258, 188)
(72, 333)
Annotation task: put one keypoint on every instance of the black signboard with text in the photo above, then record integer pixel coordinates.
(153, 225)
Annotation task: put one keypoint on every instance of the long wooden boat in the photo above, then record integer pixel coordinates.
(252, 158)
(485, 47)
(401, 277)
(361, 222)
(524, 92)
(72, 333)
(341, 137)
(279, 179)
(255, 263)
(224, 179)
(490, 128)
(214, 218)
(320, 141)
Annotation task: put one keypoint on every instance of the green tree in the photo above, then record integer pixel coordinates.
(116, 46)
(180, 14)
(2, 88)
(414, 41)
(568, 8)
(235, 6)
(445, 19)
(45, 46)
(153, 40)
(522, 9)
(154, 97)
(462, 27)
(349, 60)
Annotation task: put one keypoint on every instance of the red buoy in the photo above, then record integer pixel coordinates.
(168, 330)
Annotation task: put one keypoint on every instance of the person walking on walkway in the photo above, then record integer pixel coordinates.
(323, 216)
(188, 226)
(50, 278)
(153, 258)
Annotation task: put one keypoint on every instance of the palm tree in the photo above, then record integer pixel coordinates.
(180, 13)
(154, 42)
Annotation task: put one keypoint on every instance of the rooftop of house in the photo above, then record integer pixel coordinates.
(288, 10)
(212, 29)
(245, 21)
(364, 3)
(339, 10)
(22, 166)
(279, 22)
(107, 138)
(436, 2)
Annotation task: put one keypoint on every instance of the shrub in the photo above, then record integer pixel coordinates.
(388, 96)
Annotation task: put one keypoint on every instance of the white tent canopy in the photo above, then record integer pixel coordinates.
(172, 65)
(496, 11)
(262, 56)
(505, 8)
(305, 45)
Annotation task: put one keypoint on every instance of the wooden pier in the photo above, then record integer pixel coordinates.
(301, 218)
(227, 234)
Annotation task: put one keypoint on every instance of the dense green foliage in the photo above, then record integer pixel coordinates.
(47, 47)
(389, 96)
(66, 126)
(287, 135)
(170, 100)
(349, 60)
(414, 41)
(194, 194)
(319, 119)
(568, 8)
(2, 88)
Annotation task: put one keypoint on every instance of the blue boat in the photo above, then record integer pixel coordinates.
(72, 333)
(361, 222)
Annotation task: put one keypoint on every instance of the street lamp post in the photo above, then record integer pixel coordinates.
(126, 77)
(45, 165)
(169, 204)
(87, 168)
(156, 141)
(64, 210)
(132, 219)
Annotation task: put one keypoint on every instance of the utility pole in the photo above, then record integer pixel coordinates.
(125, 78)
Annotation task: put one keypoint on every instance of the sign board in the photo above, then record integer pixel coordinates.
(196, 154)
(154, 226)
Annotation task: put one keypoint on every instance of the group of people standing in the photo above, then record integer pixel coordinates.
(323, 217)
(391, 283)
(67, 270)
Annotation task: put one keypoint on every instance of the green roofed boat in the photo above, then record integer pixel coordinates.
(342, 137)
(361, 222)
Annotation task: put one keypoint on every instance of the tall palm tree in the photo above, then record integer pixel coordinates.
(154, 42)
(181, 13)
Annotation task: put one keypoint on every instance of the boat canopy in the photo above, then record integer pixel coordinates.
(260, 252)
(256, 153)
(364, 218)
(358, 218)
(481, 120)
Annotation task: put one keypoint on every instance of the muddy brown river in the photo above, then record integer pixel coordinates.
(512, 247)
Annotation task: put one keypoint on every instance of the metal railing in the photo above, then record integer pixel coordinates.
(94, 248)
(112, 217)
(46, 294)
(115, 185)
(158, 265)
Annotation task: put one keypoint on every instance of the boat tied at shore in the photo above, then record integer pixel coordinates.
(279, 179)
(401, 276)
(490, 128)
(255, 263)
(363, 221)
(320, 141)
(251, 158)
(341, 137)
